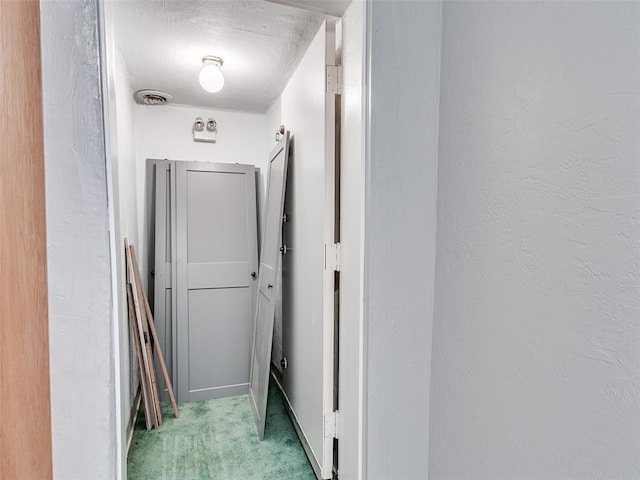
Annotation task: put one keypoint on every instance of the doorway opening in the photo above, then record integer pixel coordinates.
(191, 179)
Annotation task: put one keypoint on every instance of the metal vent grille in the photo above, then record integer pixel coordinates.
(152, 97)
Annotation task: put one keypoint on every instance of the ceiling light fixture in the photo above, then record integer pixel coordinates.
(211, 77)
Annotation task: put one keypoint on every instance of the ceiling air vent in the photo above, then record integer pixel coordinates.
(152, 97)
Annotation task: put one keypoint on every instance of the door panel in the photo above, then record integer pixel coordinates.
(259, 382)
(308, 287)
(216, 218)
(216, 253)
(269, 266)
(218, 275)
(218, 310)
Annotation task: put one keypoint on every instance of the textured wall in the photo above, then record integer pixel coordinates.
(400, 234)
(122, 167)
(536, 342)
(78, 261)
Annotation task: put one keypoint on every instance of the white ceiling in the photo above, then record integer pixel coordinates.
(163, 42)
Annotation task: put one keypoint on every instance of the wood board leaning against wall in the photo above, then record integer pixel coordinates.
(144, 337)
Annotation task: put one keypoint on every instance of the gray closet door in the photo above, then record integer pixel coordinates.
(164, 269)
(215, 289)
(269, 266)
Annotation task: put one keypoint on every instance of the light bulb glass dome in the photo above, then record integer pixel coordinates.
(211, 78)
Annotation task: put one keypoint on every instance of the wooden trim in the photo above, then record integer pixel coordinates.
(135, 280)
(141, 371)
(133, 415)
(147, 358)
(154, 336)
(25, 435)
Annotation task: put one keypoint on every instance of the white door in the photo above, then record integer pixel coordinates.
(309, 264)
(206, 274)
(269, 266)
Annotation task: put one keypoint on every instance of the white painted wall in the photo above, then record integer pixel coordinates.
(400, 234)
(351, 239)
(83, 398)
(273, 121)
(165, 132)
(121, 162)
(536, 358)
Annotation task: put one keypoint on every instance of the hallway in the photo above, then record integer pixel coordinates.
(216, 439)
(485, 238)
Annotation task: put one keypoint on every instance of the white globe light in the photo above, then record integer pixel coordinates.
(211, 78)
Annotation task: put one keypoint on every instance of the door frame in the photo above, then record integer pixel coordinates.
(24, 311)
(331, 205)
(357, 350)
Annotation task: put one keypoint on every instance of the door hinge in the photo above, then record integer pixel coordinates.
(332, 256)
(331, 424)
(334, 79)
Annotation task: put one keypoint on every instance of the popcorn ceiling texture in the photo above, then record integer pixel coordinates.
(261, 44)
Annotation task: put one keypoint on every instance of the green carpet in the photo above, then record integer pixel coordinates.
(217, 439)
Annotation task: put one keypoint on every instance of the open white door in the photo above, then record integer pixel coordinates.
(310, 260)
(269, 267)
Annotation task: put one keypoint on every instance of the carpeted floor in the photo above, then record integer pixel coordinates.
(217, 439)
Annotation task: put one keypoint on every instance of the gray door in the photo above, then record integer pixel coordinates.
(164, 270)
(215, 281)
(269, 266)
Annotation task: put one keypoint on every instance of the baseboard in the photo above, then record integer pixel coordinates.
(218, 392)
(296, 425)
(276, 372)
(133, 416)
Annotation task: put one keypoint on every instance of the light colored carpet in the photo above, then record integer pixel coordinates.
(217, 439)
